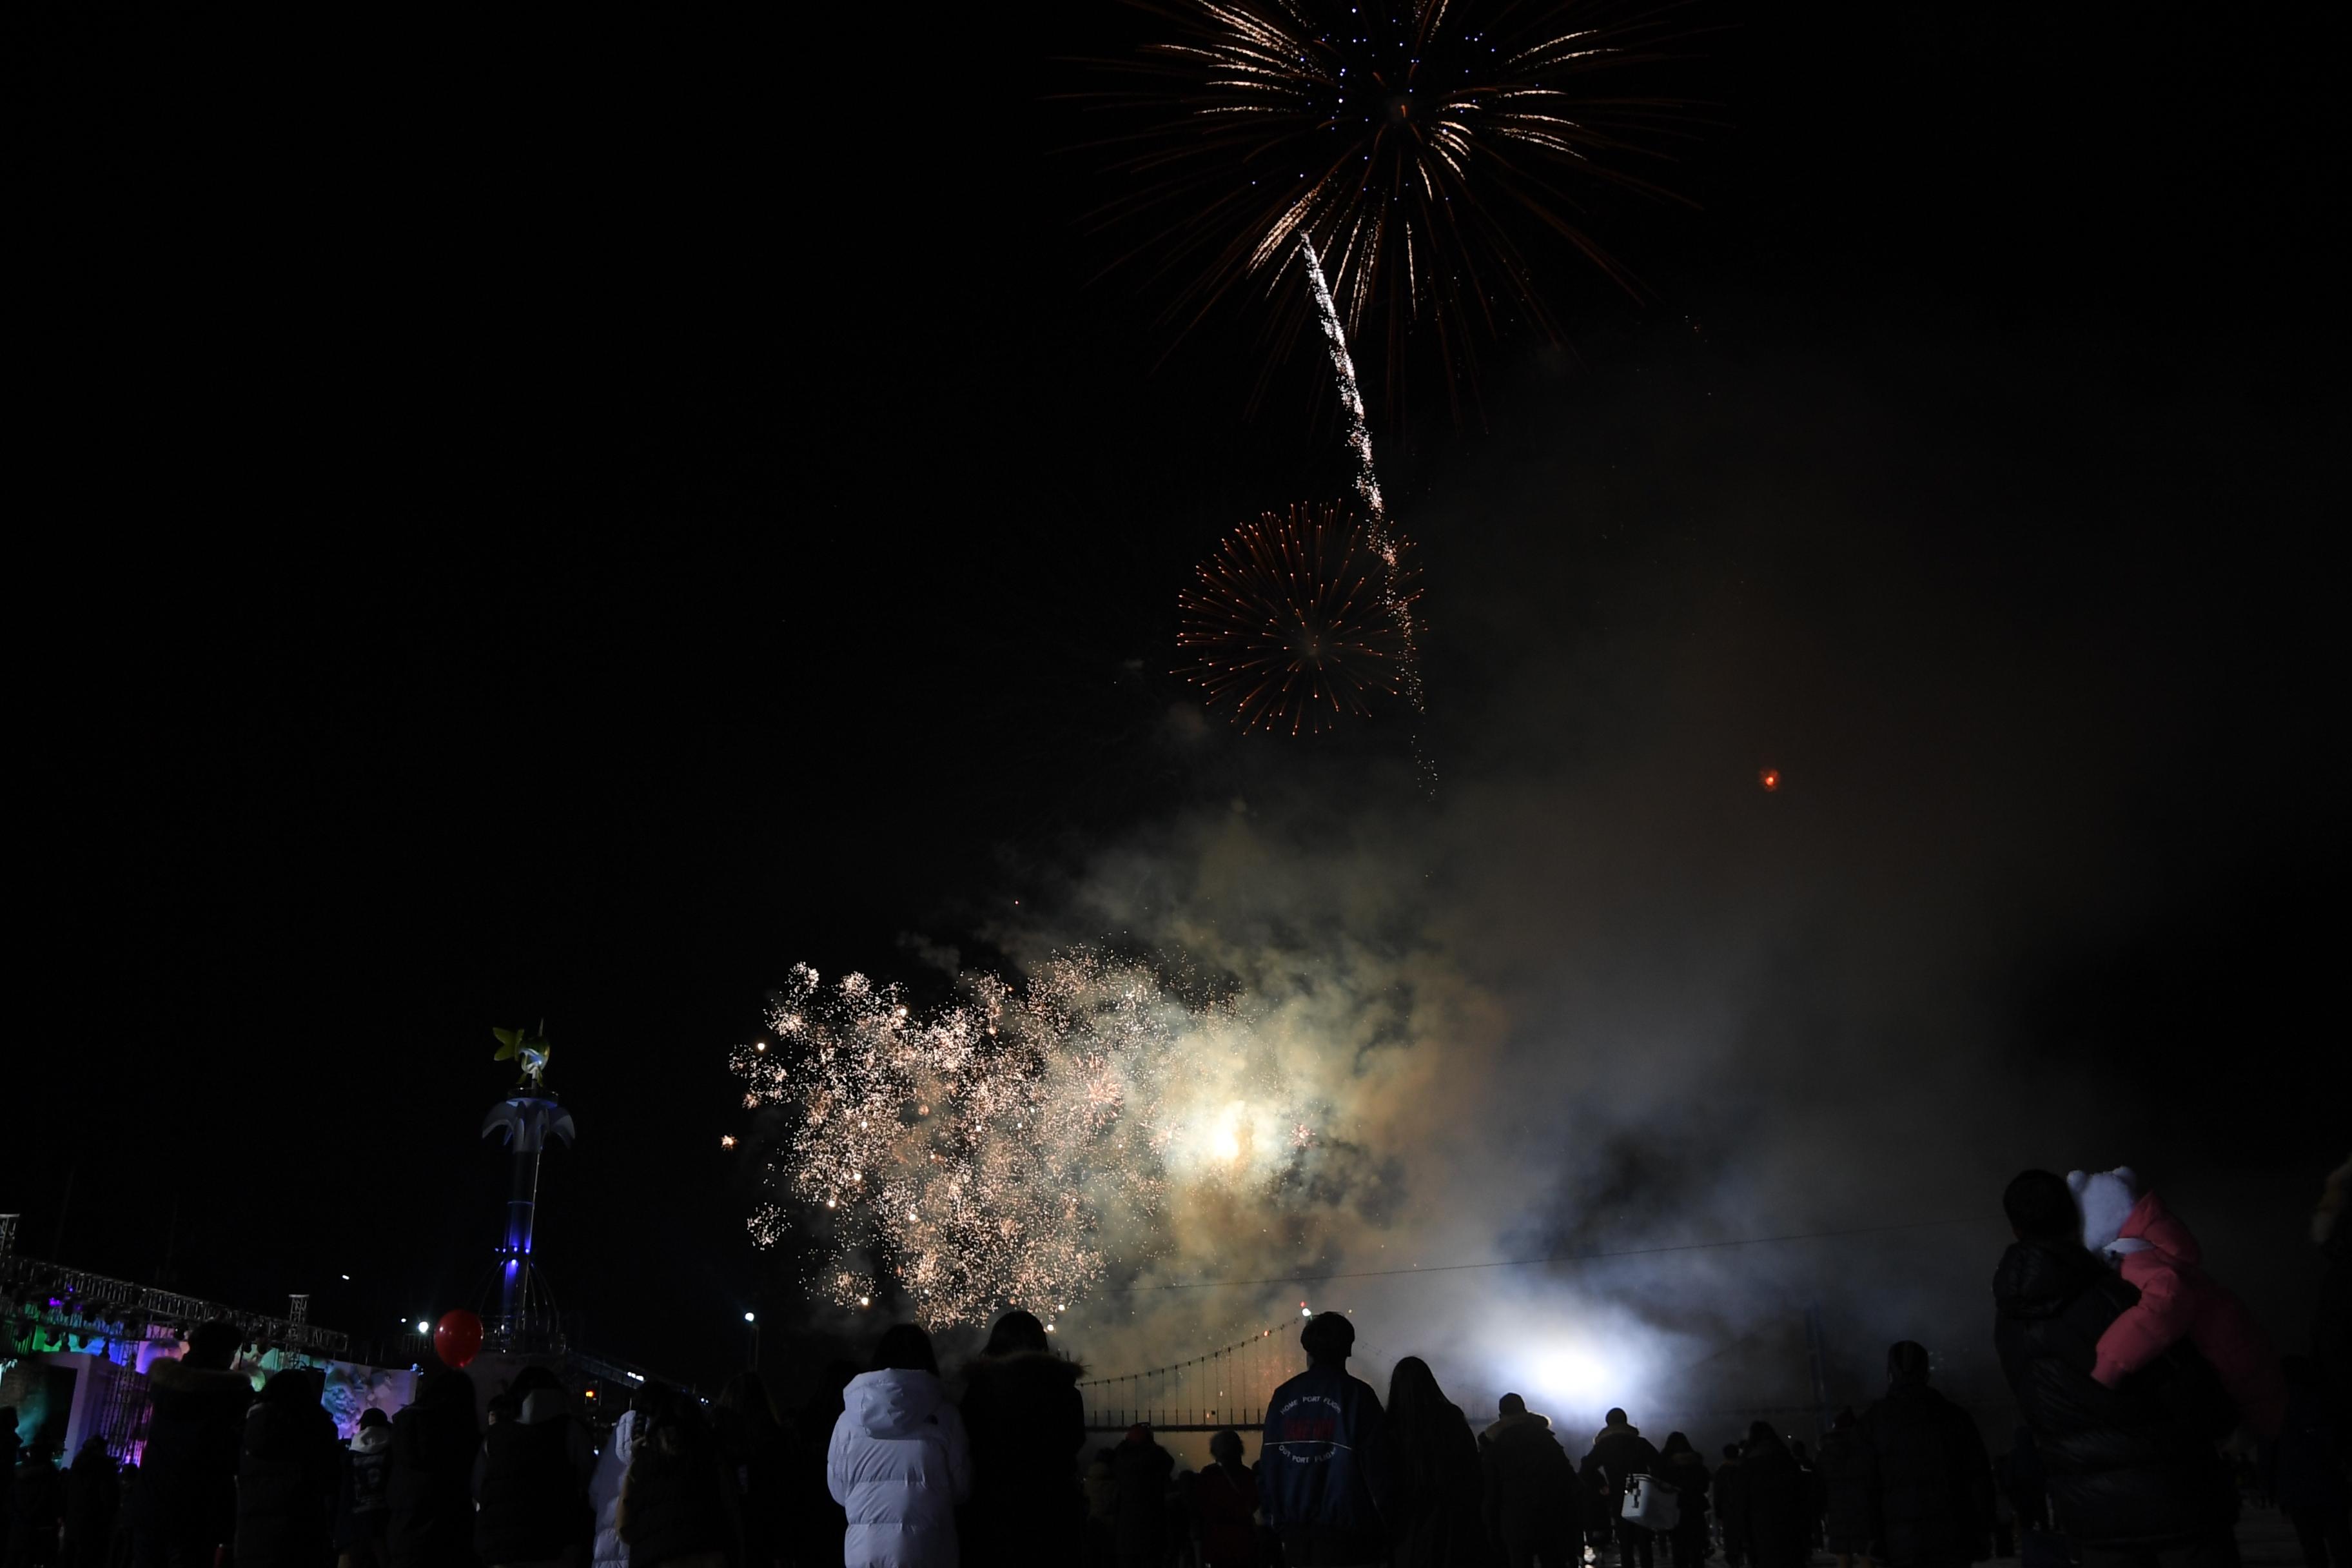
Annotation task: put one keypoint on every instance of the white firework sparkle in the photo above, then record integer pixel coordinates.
(1011, 1147)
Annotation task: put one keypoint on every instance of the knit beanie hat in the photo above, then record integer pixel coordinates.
(2107, 1197)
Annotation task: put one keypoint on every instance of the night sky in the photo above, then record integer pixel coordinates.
(565, 522)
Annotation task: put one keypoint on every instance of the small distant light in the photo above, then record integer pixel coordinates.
(1769, 778)
(751, 1318)
(1304, 1313)
(346, 1276)
(423, 1328)
(864, 1302)
(727, 1140)
(637, 1377)
(759, 1045)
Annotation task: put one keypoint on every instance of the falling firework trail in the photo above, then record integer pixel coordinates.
(1377, 531)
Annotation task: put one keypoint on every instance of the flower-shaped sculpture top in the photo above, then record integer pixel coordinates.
(530, 1049)
(529, 1121)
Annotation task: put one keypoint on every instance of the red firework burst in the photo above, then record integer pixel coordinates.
(1293, 624)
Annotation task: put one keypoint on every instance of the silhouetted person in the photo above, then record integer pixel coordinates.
(195, 1431)
(899, 1462)
(1026, 1423)
(287, 1476)
(1930, 1482)
(2331, 1322)
(753, 1440)
(1776, 1504)
(2311, 1492)
(363, 1504)
(815, 1523)
(93, 1500)
(1323, 1466)
(530, 1482)
(2022, 1481)
(678, 1503)
(1140, 1471)
(2132, 1471)
(1683, 1467)
(431, 1490)
(1533, 1497)
(37, 1509)
(1731, 1505)
(1844, 1469)
(1438, 1514)
(1223, 1503)
(1619, 1450)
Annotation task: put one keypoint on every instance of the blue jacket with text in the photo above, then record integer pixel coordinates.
(1323, 1477)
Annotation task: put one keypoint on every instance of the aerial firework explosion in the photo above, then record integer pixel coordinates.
(1011, 1147)
(1292, 621)
(1416, 147)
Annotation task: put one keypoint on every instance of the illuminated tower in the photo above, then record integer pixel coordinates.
(525, 1322)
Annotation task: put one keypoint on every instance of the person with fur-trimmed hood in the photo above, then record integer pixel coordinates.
(1619, 1450)
(1026, 1423)
(1532, 1493)
(188, 1479)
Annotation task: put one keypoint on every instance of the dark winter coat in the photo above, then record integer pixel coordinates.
(37, 1509)
(533, 1494)
(2134, 1465)
(1731, 1504)
(1440, 1490)
(1531, 1490)
(431, 1490)
(1323, 1475)
(1687, 1474)
(679, 1501)
(364, 1505)
(759, 1454)
(287, 1478)
(93, 1499)
(2331, 1321)
(1224, 1500)
(2310, 1449)
(1776, 1513)
(1026, 1422)
(1140, 1472)
(1930, 1482)
(1844, 1471)
(187, 1474)
(1620, 1451)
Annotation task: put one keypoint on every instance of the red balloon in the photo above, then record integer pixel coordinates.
(457, 1337)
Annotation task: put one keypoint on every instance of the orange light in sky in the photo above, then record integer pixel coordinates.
(1770, 779)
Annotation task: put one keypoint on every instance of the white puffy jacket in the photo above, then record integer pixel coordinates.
(898, 1464)
(604, 1491)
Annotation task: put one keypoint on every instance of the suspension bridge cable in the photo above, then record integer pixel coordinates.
(1535, 1262)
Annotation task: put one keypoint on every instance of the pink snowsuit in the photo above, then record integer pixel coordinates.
(2177, 1300)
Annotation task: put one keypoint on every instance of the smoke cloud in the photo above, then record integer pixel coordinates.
(1606, 994)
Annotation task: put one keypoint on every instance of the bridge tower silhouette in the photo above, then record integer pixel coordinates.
(1228, 1386)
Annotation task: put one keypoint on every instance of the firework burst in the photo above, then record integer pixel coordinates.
(1417, 147)
(1292, 622)
(1006, 1149)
